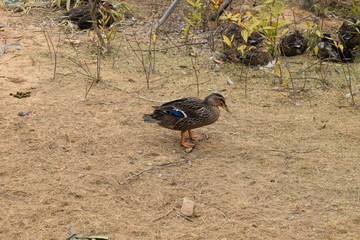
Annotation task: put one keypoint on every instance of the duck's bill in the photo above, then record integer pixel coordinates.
(226, 108)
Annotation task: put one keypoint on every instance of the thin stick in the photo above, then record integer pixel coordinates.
(305, 69)
(97, 79)
(153, 167)
(98, 66)
(141, 59)
(287, 152)
(52, 50)
(55, 54)
(47, 42)
(194, 66)
(349, 83)
(150, 100)
(167, 48)
(166, 214)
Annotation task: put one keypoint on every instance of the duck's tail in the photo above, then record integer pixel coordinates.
(149, 119)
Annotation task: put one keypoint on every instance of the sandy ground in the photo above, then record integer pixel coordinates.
(279, 167)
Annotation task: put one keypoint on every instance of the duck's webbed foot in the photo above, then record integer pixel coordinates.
(194, 136)
(183, 143)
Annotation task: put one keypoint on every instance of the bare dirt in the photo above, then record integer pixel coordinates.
(281, 166)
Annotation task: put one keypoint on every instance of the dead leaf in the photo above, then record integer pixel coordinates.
(218, 61)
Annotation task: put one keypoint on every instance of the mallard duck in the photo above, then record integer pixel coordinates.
(292, 43)
(256, 56)
(186, 114)
(328, 49)
(349, 33)
(81, 15)
(233, 31)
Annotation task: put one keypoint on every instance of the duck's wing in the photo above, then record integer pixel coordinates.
(178, 114)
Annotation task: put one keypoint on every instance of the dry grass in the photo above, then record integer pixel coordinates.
(281, 166)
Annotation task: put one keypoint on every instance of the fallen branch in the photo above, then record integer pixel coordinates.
(153, 167)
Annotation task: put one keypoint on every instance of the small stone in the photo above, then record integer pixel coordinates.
(187, 208)
(229, 82)
(189, 149)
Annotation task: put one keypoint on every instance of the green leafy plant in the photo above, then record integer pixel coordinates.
(195, 17)
(312, 33)
(192, 24)
(267, 22)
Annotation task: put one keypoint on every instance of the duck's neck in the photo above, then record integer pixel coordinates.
(207, 100)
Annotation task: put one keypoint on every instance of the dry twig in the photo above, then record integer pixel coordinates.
(153, 167)
(166, 214)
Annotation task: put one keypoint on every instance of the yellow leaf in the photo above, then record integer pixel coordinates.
(254, 24)
(277, 69)
(287, 74)
(318, 33)
(191, 3)
(268, 2)
(241, 49)
(227, 40)
(245, 34)
(316, 50)
(285, 83)
(269, 28)
(216, 3)
(241, 24)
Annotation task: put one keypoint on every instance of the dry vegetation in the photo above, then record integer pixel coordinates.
(283, 165)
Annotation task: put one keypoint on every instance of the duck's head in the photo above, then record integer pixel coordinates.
(217, 100)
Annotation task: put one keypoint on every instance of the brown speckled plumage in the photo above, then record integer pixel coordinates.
(349, 33)
(292, 44)
(81, 15)
(187, 113)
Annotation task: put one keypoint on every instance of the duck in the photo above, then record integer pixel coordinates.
(233, 31)
(256, 56)
(328, 49)
(188, 113)
(292, 43)
(349, 33)
(81, 15)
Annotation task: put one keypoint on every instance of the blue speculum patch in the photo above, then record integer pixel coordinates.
(176, 113)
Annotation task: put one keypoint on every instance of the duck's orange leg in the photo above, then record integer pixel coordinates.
(183, 143)
(194, 136)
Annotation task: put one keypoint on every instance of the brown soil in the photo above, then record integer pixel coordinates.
(283, 165)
